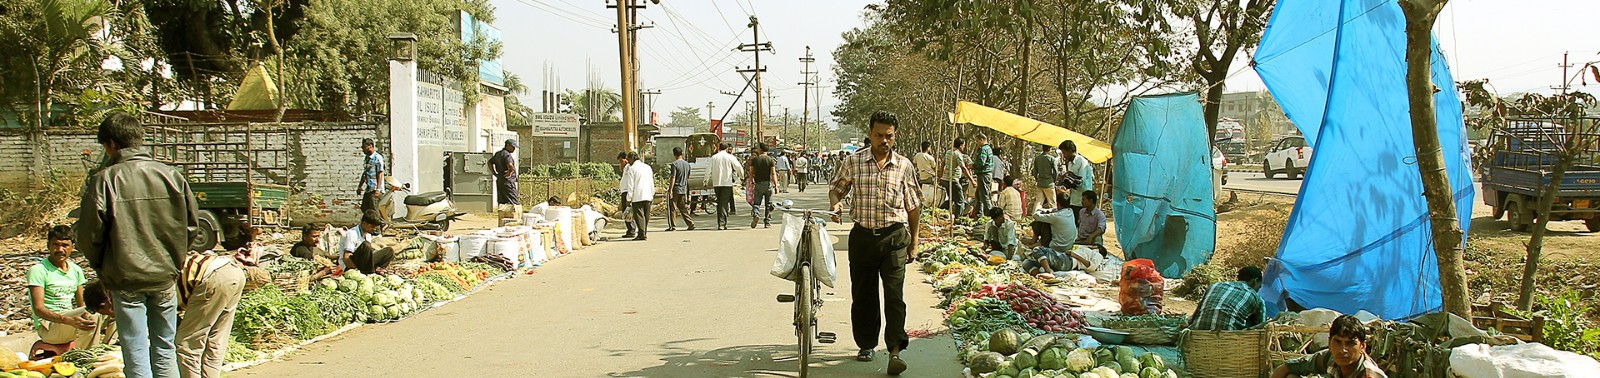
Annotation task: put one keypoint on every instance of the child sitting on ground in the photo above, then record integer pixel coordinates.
(1001, 234)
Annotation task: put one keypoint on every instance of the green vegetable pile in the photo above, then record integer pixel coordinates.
(84, 359)
(267, 317)
(1052, 359)
(983, 315)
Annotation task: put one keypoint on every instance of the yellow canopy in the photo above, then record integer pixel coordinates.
(1031, 130)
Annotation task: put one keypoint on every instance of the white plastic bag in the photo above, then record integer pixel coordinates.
(823, 264)
(1531, 360)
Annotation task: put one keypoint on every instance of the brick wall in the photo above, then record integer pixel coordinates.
(62, 153)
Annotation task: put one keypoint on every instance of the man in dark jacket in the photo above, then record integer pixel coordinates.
(137, 223)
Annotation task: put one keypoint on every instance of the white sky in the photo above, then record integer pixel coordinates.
(689, 55)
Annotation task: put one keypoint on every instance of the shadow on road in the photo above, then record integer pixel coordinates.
(737, 361)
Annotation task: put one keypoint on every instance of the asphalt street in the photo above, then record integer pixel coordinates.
(682, 304)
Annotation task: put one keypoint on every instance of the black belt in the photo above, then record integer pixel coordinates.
(882, 231)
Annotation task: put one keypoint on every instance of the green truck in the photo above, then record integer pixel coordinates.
(239, 174)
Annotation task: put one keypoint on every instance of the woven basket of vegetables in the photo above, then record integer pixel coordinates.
(1223, 354)
(1147, 329)
(293, 282)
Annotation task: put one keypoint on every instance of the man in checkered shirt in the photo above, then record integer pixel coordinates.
(1232, 305)
(882, 186)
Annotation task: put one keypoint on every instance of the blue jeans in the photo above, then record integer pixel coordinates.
(763, 200)
(958, 199)
(147, 324)
(981, 195)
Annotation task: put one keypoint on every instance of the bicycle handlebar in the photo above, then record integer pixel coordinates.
(786, 209)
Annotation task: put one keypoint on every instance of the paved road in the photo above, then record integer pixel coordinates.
(1258, 182)
(683, 304)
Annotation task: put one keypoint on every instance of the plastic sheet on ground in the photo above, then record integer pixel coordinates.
(1520, 361)
(1359, 237)
(1161, 194)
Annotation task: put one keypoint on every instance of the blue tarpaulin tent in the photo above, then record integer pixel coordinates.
(1161, 190)
(1359, 236)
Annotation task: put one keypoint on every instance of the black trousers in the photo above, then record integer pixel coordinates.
(369, 201)
(878, 257)
(640, 211)
(724, 204)
(801, 179)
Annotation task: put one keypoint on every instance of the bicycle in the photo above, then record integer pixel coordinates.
(806, 303)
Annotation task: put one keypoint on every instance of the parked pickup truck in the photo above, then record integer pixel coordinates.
(238, 172)
(1523, 161)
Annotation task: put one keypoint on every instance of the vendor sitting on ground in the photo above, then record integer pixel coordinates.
(1001, 235)
(310, 248)
(1059, 255)
(1232, 305)
(1346, 356)
(56, 287)
(1091, 221)
(359, 250)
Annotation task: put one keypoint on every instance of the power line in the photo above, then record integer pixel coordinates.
(558, 12)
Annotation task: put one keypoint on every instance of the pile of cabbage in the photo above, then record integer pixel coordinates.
(388, 297)
(1048, 356)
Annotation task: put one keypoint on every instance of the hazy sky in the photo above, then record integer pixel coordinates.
(689, 56)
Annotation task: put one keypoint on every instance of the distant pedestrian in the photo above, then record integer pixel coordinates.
(782, 165)
(982, 170)
(927, 171)
(882, 186)
(725, 171)
(763, 171)
(641, 191)
(504, 165)
(1044, 181)
(802, 171)
(372, 174)
(139, 218)
(1002, 167)
(623, 184)
(957, 174)
(679, 197)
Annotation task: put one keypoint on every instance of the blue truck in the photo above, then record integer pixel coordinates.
(1522, 160)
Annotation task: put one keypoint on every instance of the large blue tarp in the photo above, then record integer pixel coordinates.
(1161, 190)
(1359, 236)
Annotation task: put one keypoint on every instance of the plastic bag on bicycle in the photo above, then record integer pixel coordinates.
(823, 265)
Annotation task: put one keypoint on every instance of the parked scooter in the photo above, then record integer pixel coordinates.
(424, 211)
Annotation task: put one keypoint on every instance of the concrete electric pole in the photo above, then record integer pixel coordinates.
(757, 47)
(805, 110)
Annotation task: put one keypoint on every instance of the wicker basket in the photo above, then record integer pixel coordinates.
(1151, 335)
(297, 282)
(1223, 354)
(1286, 342)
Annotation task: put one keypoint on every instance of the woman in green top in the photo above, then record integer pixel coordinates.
(55, 288)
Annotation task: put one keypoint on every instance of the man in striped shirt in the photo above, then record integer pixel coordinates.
(1233, 305)
(209, 289)
(882, 186)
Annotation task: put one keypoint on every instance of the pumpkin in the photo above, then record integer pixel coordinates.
(65, 369)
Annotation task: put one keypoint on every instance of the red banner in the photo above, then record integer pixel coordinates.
(716, 127)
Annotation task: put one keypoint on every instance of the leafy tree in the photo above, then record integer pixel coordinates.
(688, 116)
(52, 55)
(1222, 30)
(1574, 139)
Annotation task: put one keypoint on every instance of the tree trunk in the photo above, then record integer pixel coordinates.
(1420, 16)
(1547, 197)
(1213, 103)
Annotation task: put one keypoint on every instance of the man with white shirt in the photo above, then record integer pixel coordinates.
(725, 169)
(358, 251)
(640, 185)
(802, 171)
(1074, 167)
(623, 163)
(782, 180)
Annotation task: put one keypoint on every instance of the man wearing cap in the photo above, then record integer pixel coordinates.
(504, 165)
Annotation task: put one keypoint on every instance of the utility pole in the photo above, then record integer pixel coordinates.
(648, 98)
(785, 133)
(757, 47)
(805, 110)
(710, 109)
(625, 50)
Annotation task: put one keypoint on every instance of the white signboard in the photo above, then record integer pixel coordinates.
(440, 116)
(555, 125)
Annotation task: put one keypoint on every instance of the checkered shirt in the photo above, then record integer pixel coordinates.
(883, 195)
(1229, 306)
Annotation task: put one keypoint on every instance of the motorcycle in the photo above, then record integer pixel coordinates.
(424, 211)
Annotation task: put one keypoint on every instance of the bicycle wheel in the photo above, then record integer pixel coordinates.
(806, 295)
